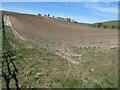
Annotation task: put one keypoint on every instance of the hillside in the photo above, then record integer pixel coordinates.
(52, 53)
(110, 23)
(107, 25)
(59, 35)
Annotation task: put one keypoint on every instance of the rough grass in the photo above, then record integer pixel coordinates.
(103, 65)
(110, 23)
(39, 67)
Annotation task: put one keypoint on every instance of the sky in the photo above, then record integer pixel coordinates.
(86, 12)
(60, 0)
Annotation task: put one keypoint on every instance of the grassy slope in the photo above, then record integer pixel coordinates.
(104, 63)
(108, 23)
(38, 67)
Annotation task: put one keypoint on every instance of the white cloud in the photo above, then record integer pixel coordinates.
(109, 9)
(113, 10)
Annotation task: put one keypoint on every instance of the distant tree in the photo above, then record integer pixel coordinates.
(75, 22)
(113, 27)
(92, 25)
(39, 15)
(53, 16)
(48, 15)
(99, 25)
(45, 15)
(69, 19)
(105, 26)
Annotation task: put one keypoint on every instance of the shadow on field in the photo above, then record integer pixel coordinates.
(9, 73)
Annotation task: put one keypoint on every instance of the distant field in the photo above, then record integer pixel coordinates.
(108, 24)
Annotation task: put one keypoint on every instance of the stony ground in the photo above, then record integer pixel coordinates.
(60, 36)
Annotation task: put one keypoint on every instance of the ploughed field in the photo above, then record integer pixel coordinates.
(57, 33)
(60, 36)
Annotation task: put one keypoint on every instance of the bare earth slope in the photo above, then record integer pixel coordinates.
(60, 36)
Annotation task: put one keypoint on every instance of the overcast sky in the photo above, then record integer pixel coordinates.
(87, 12)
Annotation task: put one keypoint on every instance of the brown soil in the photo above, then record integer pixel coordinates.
(59, 35)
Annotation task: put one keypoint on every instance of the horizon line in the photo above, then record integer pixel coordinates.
(56, 16)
